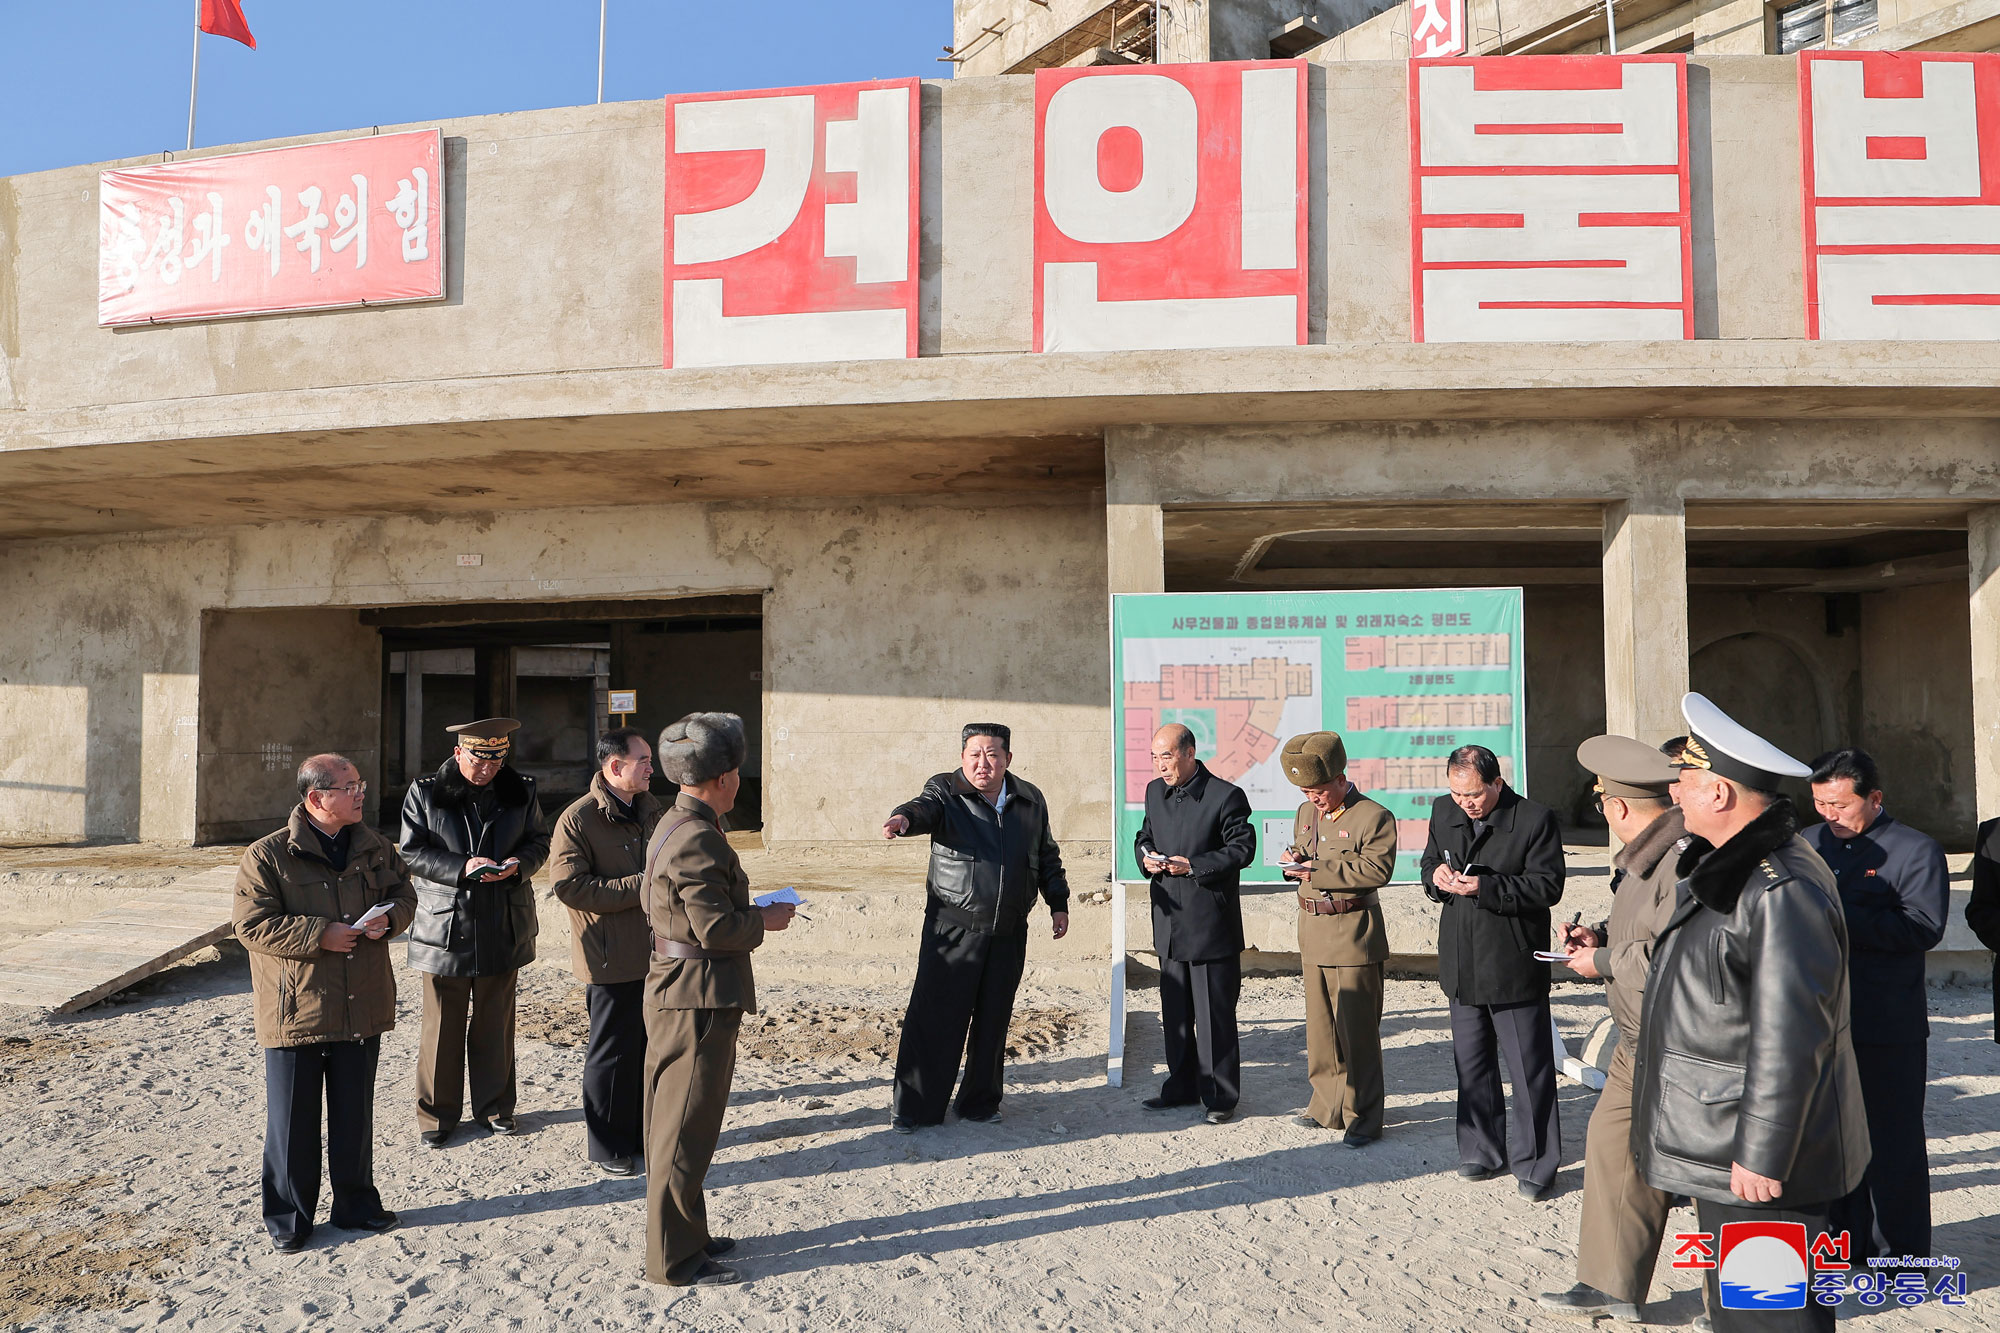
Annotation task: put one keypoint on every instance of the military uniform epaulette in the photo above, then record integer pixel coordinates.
(1771, 876)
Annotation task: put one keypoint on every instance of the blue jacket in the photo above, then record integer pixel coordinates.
(1895, 891)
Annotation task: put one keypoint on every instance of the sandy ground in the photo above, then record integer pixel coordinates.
(130, 1135)
(45, 887)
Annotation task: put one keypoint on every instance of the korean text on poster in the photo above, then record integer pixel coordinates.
(1437, 28)
(1405, 677)
(1902, 194)
(348, 223)
(1170, 207)
(792, 225)
(1550, 199)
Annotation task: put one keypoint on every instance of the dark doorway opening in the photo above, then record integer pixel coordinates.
(554, 665)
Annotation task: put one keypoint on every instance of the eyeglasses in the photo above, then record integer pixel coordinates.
(351, 789)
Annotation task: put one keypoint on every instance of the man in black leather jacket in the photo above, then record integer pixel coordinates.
(473, 836)
(991, 853)
(1746, 1092)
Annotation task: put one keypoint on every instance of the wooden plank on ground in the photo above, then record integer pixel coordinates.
(79, 964)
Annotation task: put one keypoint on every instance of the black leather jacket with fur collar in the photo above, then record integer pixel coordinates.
(1744, 1051)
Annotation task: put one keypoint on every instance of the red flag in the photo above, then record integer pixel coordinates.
(224, 18)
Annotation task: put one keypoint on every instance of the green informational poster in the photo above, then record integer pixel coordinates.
(1404, 676)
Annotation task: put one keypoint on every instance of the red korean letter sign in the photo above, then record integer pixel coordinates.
(792, 225)
(1170, 207)
(1902, 194)
(1549, 199)
(355, 222)
(1437, 28)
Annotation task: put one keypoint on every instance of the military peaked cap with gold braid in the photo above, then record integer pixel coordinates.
(488, 738)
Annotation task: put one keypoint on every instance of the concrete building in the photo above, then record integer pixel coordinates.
(229, 543)
(1017, 36)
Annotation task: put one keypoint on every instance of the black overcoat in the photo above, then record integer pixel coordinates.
(465, 928)
(1198, 918)
(1487, 943)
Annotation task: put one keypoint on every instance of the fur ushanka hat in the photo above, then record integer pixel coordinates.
(701, 747)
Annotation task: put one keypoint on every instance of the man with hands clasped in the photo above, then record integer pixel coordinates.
(1494, 860)
(1193, 844)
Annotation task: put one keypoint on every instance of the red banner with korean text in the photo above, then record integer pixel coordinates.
(355, 222)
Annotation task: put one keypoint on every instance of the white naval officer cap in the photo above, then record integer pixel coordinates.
(1727, 748)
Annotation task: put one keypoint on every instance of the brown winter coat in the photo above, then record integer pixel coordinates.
(287, 894)
(598, 860)
(699, 895)
(1642, 900)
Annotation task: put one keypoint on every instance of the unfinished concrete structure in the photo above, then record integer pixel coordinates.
(1017, 36)
(222, 538)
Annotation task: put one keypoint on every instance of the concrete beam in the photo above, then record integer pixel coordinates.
(1983, 546)
(1645, 617)
(1512, 463)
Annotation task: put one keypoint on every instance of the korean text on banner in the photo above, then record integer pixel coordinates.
(1170, 207)
(349, 223)
(1902, 194)
(792, 225)
(1549, 200)
(1405, 678)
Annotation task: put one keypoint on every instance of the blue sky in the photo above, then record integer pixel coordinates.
(94, 80)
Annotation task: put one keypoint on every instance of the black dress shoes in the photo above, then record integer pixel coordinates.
(1534, 1193)
(990, 1118)
(1587, 1302)
(288, 1244)
(620, 1166)
(1220, 1117)
(1474, 1171)
(1353, 1140)
(437, 1138)
(1165, 1103)
(382, 1221)
(1307, 1122)
(504, 1125)
(709, 1274)
(901, 1126)
(718, 1245)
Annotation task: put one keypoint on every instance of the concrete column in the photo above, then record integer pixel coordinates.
(1645, 617)
(1137, 547)
(413, 716)
(1983, 543)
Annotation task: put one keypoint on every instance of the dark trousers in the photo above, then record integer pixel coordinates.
(965, 987)
(690, 1063)
(468, 1028)
(1889, 1213)
(295, 1078)
(1481, 1036)
(1198, 1013)
(1710, 1217)
(614, 1071)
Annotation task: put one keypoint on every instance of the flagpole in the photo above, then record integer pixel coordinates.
(602, 6)
(194, 81)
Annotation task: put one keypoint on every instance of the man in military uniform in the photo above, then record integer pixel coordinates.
(473, 834)
(1624, 1218)
(1745, 1092)
(1343, 849)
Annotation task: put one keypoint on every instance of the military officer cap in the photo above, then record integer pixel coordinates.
(1727, 748)
(1314, 758)
(488, 738)
(1626, 767)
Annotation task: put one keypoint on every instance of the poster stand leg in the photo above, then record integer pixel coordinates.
(1114, 1064)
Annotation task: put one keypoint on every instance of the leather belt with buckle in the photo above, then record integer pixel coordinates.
(1337, 906)
(667, 948)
